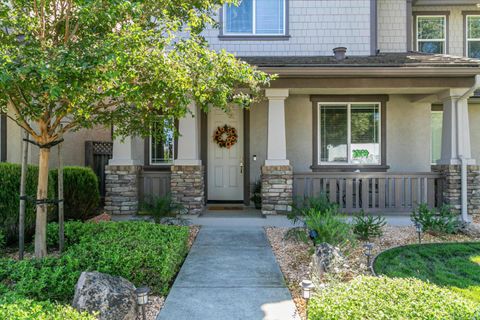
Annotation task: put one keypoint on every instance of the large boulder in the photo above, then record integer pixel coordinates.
(328, 258)
(472, 230)
(113, 298)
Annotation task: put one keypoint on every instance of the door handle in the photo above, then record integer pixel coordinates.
(241, 166)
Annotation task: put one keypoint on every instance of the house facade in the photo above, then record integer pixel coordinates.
(382, 123)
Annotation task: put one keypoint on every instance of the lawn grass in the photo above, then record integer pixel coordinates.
(452, 265)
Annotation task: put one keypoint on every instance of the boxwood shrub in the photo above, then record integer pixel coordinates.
(15, 307)
(141, 252)
(81, 194)
(390, 298)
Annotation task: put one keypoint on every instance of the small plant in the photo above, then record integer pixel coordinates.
(2, 241)
(443, 221)
(161, 207)
(257, 195)
(302, 207)
(328, 226)
(366, 226)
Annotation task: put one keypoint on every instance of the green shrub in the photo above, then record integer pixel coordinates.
(143, 253)
(161, 207)
(14, 307)
(10, 199)
(80, 191)
(384, 298)
(443, 221)
(2, 240)
(319, 203)
(366, 226)
(328, 226)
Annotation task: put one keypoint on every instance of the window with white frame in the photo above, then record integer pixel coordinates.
(162, 150)
(255, 17)
(432, 34)
(349, 133)
(473, 36)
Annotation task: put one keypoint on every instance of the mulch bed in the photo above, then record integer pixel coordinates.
(294, 256)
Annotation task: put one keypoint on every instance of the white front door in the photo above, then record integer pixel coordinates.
(225, 166)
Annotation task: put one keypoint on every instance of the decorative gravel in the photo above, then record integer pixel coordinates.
(294, 257)
(155, 303)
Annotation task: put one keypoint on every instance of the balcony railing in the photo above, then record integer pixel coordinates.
(372, 192)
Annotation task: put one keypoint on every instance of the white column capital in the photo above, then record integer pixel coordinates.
(276, 94)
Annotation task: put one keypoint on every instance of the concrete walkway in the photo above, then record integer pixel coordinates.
(230, 273)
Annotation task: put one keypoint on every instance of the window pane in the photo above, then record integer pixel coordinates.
(473, 27)
(474, 49)
(239, 19)
(162, 150)
(431, 28)
(365, 134)
(333, 133)
(437, 118)
(431, 47)
(269, 16)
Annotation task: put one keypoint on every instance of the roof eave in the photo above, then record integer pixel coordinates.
(348, 71)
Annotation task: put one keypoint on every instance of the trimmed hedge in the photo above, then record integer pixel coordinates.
(141, 252)
(80, 191)
(386, 298)
(9, 199)
(81, 194)
(14, 307)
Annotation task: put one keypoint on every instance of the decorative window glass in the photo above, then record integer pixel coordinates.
(255, 17)
(432, 34)
(436, 143)
(349, 133)
(162, 150)
(473, 36)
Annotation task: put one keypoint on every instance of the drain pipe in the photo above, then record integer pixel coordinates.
(464, 161)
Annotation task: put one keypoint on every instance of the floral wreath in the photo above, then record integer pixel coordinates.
(225, 137)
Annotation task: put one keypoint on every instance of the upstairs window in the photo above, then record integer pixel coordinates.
(432, 34)
(473, 36)
(162, 151)
(255, 17)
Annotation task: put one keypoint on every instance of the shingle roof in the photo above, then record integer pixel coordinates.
(408, 59)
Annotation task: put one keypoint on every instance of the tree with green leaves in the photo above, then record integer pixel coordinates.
(71, 64)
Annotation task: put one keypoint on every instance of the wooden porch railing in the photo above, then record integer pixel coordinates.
(154, 183)
(372, 192)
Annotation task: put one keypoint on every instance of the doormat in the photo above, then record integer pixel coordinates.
(220, 208)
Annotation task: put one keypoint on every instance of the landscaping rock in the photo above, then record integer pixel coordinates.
(112, 297)
(472, 230)
(327, 258)
(175, 221)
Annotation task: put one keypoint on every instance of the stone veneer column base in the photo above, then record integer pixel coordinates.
(121, 189)
(188, 188)
(452, 187)
(277, 189)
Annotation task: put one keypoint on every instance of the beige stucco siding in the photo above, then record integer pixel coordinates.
(474, 113)
(258, 138)
(298, 114)
(408, 135)
(14, 142)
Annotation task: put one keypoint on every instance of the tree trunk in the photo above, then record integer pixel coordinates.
(42, 194)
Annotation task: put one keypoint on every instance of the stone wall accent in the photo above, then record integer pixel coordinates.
(452, 187)
(122, 187)
(277, 189)
(188, 188)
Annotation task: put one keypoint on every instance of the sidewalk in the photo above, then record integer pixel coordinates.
(230, 273)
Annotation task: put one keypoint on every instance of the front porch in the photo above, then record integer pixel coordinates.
(302, 142)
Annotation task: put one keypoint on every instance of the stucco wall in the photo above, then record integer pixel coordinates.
(392, 25)
(456, 26)
(73, 146)
(258, 138)
(408, 135)
(298, 114)
(315, 27)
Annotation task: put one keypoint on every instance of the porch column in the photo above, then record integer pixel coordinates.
(277, 174)
(122, 176)
(276, 137)
(187, 184)
(456, 129)
(456, 146)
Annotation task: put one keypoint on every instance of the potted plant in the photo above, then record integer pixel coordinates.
(257, 195)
